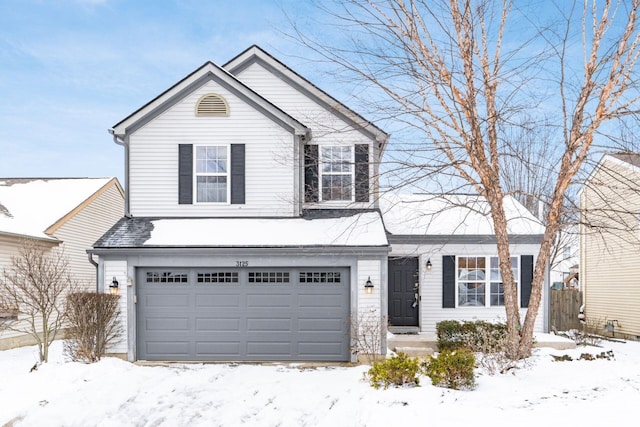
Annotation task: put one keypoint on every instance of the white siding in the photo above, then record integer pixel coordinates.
(118, 269)
(269, 156)
(431, 311)
(369, 305)
(84, 228)
(327, 127)
(610, 248)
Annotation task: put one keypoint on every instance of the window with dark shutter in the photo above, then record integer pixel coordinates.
(185, 174)
(448, 281)
(310, 173)
(362, 172)
(526, 279)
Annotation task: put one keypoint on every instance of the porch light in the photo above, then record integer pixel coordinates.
(113, 287)
(429, 265)
(368, 286)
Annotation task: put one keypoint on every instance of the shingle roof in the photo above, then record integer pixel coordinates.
(631, 158)
(357, 230)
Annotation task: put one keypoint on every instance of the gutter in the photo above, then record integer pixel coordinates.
(125, 143)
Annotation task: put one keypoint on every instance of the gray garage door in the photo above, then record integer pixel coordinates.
(243, 314)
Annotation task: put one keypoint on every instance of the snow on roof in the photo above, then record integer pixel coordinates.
(29, 206)
(456, 214)
(363, 229)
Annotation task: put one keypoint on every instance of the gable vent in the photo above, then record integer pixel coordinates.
(212, 105)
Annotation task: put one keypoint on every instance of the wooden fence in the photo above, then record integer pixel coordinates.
(565, 306)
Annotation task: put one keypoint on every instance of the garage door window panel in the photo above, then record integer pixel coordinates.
(262, 277)
(161, 277)
(319, 277)
(217, 277)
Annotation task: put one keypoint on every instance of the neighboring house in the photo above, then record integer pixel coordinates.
(64, 214)
(449, 244)
(610, 245)
(565, 265)
(252, 227)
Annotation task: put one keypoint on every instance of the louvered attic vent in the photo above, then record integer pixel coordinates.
(212, 105)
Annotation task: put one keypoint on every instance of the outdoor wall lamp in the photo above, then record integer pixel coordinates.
(429, 265)
(368, 286)
(113, 287)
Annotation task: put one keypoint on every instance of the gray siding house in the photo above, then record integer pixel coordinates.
(252, 227)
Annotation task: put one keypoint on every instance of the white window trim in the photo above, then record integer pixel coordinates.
(352, 162)
(196, 174)
(487, 281)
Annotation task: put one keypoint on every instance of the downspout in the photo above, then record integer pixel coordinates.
(125, 143)
(92, 261)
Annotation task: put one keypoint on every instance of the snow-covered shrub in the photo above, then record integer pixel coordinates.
(93, 325)
(452, 369)
(397, 370)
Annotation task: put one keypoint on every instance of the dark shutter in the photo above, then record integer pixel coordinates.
(448, 281)
(185, 174)
(526, 278)
(310, 173)
(362, 172)
(237, 174)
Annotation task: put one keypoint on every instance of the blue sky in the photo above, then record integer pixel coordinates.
(71, 69)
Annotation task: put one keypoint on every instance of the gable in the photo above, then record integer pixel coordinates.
(300, 98)
(34, 207)
(209, 72)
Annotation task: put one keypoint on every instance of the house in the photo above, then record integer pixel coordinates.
(64, 214)
(443, 260)
(252, 226)
(610, 245)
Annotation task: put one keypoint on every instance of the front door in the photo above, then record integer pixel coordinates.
(403, 291)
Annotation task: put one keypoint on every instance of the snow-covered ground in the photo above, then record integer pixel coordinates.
(112, 392)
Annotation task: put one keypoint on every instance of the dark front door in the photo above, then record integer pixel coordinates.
(403, 290)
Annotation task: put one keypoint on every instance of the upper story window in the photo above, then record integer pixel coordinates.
(336, 171)
(479, 281)
(212, 173)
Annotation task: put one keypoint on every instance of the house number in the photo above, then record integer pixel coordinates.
(242, 263)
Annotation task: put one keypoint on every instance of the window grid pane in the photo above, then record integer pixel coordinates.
(337, 172)
(218, 277)
(167, 277)
(319, 277)
(496, 298)
(268, 277)
(211, 170)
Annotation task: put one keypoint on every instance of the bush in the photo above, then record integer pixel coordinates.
(478, 336)
(93, 325)
(397, 370)
(452, 369)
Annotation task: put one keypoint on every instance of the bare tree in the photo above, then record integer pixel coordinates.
(460, 75)
(34, 286)
(94, 325)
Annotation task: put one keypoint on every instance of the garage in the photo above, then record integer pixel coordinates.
(246, 314)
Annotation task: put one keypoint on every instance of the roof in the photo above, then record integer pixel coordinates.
(255, 54)
(208, 71)
(35, 207)
(452, 215)
(359, 230)
(630, 158)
